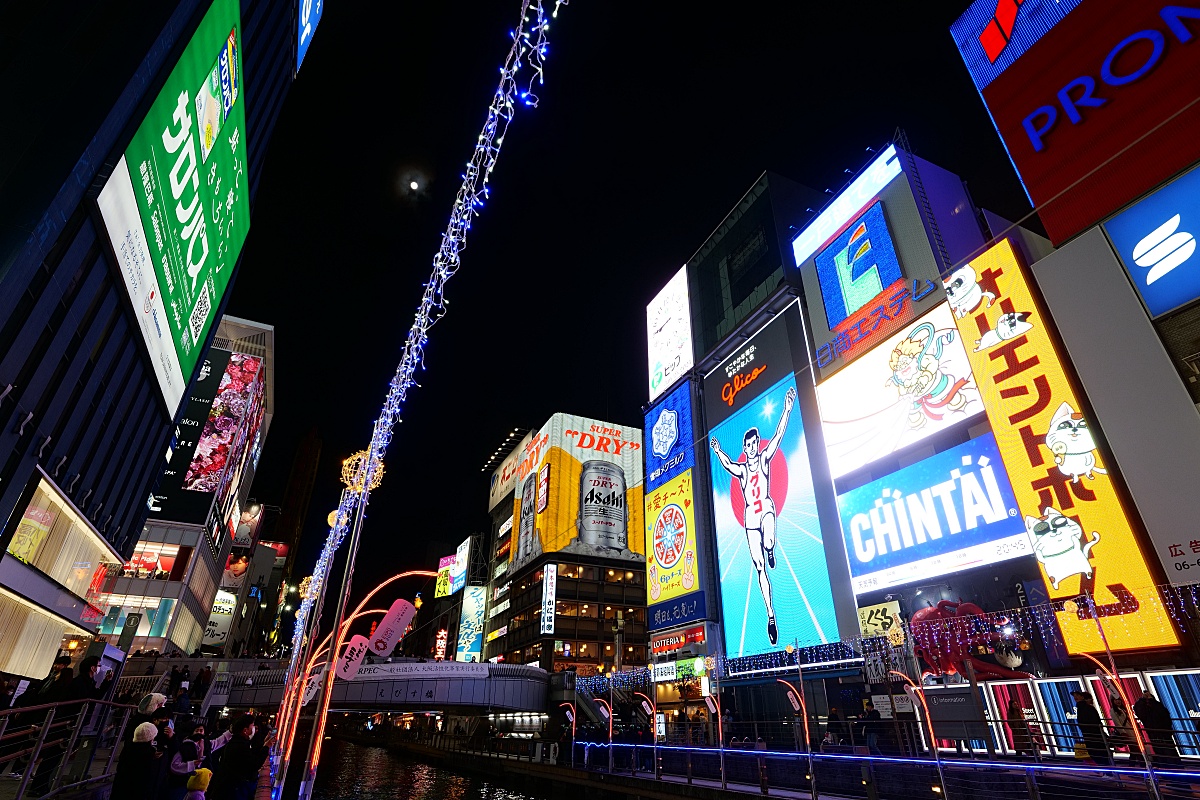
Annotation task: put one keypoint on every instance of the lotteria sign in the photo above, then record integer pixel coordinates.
(176, 207)
(952, 511)
(1064, 490)
(1095, 106)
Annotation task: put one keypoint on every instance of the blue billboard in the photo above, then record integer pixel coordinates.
(679, 611)
(308, 17)
(992, 34)
(470, 624)
(953, 511)
(1156, 242)
(857, 266)
(671, 447)
(774, 580)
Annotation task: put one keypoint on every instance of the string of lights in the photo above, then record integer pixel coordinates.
(529, 48)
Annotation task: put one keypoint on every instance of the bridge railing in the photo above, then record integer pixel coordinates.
(54, 747)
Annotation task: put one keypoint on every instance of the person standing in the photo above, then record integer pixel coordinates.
(1091, 729)
(873, 721)
(137, 767)
(1022, 741)
(1156, 719)
(235, 773)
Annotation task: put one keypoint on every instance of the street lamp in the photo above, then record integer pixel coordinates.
(653, 728)
(608, 708)
(571, 710)
(919, 692)
(799, 695)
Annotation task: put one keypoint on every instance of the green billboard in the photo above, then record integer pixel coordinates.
(177, 205)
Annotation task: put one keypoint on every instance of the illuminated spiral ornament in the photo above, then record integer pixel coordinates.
(354, 471)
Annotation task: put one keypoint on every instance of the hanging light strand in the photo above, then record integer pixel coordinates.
(529, 47)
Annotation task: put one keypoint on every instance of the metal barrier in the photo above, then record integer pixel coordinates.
(54, 747)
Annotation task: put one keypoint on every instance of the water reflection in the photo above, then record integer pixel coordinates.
(372, 773)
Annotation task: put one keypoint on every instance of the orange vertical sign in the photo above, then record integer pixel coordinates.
(1081, 535)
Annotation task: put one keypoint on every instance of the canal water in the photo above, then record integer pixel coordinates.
(356, 772)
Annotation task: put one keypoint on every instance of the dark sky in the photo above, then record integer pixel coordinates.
(654, 120)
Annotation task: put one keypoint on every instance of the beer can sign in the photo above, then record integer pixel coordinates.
(570, 716)
(603, 515)
(792, 699)
(528, 518)
(712, 705)
(646, 707)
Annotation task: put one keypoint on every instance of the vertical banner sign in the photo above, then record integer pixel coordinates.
(132, 621)
(177, 205)
(671, 540)
(391, 629)
(352, 656)
(444, 580)
(470, 624)
(549, 594)
(1080, 534)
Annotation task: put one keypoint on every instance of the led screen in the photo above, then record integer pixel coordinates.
(1064, 489)
(669, 334)
(308, 17)
(1156, 242)
(445, 567)
(768, 540)
(176, 207)
(914, 384)
(1096, 106)
(672, 566)
(581, 492)
(470, 624)
(671, 448)
(951, 512)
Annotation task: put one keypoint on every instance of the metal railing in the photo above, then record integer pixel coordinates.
(58, 746)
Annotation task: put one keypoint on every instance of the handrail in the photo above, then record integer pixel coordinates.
(61, 703)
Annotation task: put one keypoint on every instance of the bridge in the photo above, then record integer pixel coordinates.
(408, 685)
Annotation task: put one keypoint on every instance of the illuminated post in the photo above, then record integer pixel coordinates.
(361, 474)
(608, 708)
(1101, 669)
(799, 694)
(571, 706)
(919, 691)
(653, 724)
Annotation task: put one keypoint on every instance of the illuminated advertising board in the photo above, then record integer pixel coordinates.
(308, 17)
(443, 639)
(914, 384)
(672, 566)
(1156, 243)
(220, 619)
(549, 598)
(671, 450)
(775, 585)
(205, 440)
(177, 206)
(1079, 532)
(505, 476)
(1092, 100)
(445, 567)
(669, 334)
(677, 640)
(950, 512)
(458, 570)
(878, 619)
(868, 258)
(592, 492)
(470, 624)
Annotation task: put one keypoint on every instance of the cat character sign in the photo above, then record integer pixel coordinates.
(914, 384)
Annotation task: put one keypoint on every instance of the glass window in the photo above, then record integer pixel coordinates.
(566, 609)
(54, 539)
(614, 576)
(589, 610)
(158, 561)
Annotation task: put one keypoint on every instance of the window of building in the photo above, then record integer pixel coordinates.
(155, 611)
(31, 636)
(632, 577)
(54, 539)
(591, 610)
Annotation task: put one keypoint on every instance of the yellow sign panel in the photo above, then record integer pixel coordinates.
(583, 496)
(671, 565)
(876, 620)
(1081, 536)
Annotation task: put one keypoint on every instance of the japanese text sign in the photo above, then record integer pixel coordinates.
(672, 569)
(1079, 532)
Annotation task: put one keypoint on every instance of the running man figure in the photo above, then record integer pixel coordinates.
(754, 476)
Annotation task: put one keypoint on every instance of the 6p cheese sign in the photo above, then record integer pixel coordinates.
(1080, 534)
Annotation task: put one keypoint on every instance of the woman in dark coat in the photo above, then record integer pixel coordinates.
(138, 767)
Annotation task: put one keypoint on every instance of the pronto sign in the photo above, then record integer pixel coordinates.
(1096, 110)
(1079, 532)
(177, 206)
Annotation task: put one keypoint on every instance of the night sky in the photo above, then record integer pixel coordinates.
(654, 120)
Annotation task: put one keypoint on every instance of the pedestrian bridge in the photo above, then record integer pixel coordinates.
(409, 685)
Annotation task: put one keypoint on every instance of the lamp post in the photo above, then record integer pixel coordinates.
(1103, 670)
(608, 708)
(571, 708)
(799, 694)
(919, 691)
(653, 728)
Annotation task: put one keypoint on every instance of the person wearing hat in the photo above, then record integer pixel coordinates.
(146, 708)
(137, 767)
(1091, 729)
(184, 762)
(197, 785)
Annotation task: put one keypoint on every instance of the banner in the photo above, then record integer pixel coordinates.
(220, 619)
(549, 597)
(352, 656)
(1078, 530)
(445, 566)
(470, 624)
(33, 530)
(391, 630)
